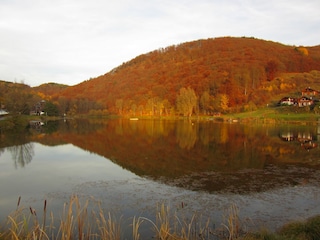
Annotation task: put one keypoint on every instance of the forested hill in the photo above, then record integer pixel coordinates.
(225, 74)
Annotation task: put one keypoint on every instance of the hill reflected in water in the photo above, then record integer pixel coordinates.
(205, 156)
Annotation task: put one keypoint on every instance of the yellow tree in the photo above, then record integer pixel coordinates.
(186, 101)
(224, 102)
(205, 102)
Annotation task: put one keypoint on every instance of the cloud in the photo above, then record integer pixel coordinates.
(71, 41)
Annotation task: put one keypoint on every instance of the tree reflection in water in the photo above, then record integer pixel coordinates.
(204, 152)
(186, 134)
(1, 151)
(22, 154)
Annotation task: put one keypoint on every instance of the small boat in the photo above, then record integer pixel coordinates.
(134, 119)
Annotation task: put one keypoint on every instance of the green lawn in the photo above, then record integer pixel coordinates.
(278, 114)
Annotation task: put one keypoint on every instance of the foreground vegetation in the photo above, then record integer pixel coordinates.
(77, 222)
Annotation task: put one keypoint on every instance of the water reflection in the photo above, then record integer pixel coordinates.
(263, 169)
(187, 134)
(308, 139)
(22, 154)
(194, 155)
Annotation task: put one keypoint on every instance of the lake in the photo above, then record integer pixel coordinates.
(270, 172)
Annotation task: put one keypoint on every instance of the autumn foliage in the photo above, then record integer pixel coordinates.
(226, 74)
(231, 71)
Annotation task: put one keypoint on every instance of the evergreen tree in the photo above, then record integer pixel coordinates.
(51, 109)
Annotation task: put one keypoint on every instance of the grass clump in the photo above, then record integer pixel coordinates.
(298, 230)
(25, 226)
(305, 230)
(77, 222)
(168, 226)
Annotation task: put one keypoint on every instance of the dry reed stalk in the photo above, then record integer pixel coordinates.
(75, 224)
(205, 231)
(36, 226)
(67, 222)
(20, 227)
(18, 223)
(184, 228)
(163, 221)
(44, 219)
(192, 229)
(18, 203)
(84, 228)
(75, 220)
(14, 230)
(165, 229)
(109, 229)
(233, 222)
(135, 228)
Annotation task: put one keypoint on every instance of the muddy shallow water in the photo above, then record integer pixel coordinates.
(251, 181)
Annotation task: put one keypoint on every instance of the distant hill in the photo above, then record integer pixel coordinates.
(242, 70)
(50, 88)
(16, 97)
(19, 98)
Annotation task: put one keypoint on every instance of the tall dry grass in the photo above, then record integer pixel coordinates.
(168, 226)
(25, 226)
(77, 221)
(232, 224)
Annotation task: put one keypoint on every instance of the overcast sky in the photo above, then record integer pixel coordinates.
(69, 41)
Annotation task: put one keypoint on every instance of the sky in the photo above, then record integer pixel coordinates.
(70, 41)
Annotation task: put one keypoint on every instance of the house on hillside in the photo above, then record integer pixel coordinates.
(304, 101)
(288, 101)
(308, 98)
(38, 108)
(309, 92)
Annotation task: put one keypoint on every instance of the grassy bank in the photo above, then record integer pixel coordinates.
(275, 115)
(283, 114)
(78, 222)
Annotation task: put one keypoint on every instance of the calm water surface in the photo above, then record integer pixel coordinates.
(271, 172)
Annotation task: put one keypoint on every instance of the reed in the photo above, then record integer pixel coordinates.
(169, 226)
(136, 223)
(233, 222)
(25, 226)
(77, 222)
(71, 221)
(109, 228)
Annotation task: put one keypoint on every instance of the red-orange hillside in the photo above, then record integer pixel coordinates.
(241, 68)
